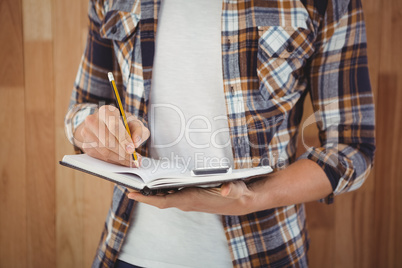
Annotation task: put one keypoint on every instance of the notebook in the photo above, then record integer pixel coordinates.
(156, 176)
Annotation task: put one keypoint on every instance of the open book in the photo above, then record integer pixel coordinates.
(154, 176)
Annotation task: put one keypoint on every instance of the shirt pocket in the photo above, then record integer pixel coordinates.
(119, 25)
(282, 53)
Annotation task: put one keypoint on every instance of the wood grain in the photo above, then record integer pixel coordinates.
(11, 52)
(37, 20)
(13, 205)
(13, 190)
(39, 135)
(97, 200)
(40, 152)
(70, 216)
(387, 203)
(388, 170)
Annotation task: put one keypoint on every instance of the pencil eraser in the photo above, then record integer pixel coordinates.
(110, 75)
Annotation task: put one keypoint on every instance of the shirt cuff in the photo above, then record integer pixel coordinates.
(335, 165)
(75, 116)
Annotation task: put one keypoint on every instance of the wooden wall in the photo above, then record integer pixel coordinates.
(51, 216)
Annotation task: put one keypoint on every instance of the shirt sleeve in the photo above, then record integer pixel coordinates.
(91, 87)
(342, 98)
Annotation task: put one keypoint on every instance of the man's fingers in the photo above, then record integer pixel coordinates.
(154, 200)
(98, 131)
(112, 157)
(90, 140)
(111, 117)
(139, 132)
(95, 130)
(105, 137)
(234, 189)
(214, 191)
(145, 135)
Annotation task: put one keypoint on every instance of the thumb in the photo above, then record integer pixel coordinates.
(139, 132)
(233, 190)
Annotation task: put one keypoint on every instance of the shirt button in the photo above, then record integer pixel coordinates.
(125, 216)
(232, 90)
(114, 29)
(228, 43)
(290, 48)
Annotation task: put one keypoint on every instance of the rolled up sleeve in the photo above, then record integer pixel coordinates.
(91, 87)
(342, 98)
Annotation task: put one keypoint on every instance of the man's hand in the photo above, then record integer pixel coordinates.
(102, 135)
(302, 181)
(233, 198)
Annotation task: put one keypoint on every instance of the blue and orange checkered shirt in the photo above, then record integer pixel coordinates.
(274, 52)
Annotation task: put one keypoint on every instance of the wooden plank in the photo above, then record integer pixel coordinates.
(40, 154)
(69, 184)
(96, 202)
(320, 252)
(39, 113)
(13, 190)
(388, 168)
(345, 244)
(12, 66)
(396, 126)
(70, 234)
(13, 207)
(37, 20)
(321, 224)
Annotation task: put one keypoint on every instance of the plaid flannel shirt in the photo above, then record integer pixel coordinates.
(274, 52)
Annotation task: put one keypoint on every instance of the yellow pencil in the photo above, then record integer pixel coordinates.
(120, 106)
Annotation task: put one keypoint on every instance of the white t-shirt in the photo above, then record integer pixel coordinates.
(188, 124)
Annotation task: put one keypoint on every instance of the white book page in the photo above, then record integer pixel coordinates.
(156, 174)
(151, 169)
(234, 175)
